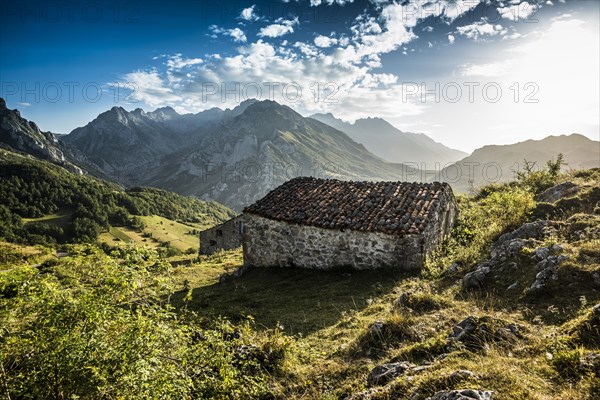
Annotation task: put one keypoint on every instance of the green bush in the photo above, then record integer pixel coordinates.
(480, 221)
(98, 327)
(538, 181)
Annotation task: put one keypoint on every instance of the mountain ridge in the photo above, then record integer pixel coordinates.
(390, 143)
(500, 163)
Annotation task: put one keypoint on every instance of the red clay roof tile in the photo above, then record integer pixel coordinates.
(396, 208)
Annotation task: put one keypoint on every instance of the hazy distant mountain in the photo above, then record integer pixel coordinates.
(499, 163)
(265, 145)
(383, 139)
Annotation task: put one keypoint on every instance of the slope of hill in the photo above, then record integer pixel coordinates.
(507, 308)
(41, 202)
(392, 144)
(22, 135)
(500, 163)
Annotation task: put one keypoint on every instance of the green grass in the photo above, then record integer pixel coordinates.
(61, 218)
(327, 315)
(158, 230)
(301, 300)
(118, 233)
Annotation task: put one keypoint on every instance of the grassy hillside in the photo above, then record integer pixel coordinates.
(43, 203)
(505, 305)
(502, 163)
(156, 232)
(346, 324)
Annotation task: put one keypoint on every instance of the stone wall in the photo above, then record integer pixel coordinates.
(270, 243)
(226, 236)
(441, 223)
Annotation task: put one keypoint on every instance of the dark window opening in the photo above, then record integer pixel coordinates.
(241, 227)
(213, 242)
(219, 232)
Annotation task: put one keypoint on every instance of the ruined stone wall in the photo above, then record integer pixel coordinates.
(226, 236)
(269, 243)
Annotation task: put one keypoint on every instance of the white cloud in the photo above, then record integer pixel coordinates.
(306, 49)
(360, 92)
(150, 88)
(324, 41)
(315, 3)
(280, 28)
(480, 29)
(249, 14)
(490, 70)
(346, 62)
(25, 104)
(394, 25)
(428, 29)
(236, 33)
(176, 62)
(519, 12)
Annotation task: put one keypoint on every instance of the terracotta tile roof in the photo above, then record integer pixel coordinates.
(397, 208)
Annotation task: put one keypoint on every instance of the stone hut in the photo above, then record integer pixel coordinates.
(225, 236)
(326, 224)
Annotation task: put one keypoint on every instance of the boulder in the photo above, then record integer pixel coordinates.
(475, 279)
(462, 374)
(452, 269)
(383, 374)
(465, 394)
(555, 193)
(548, 268)
(376, 328)
(474, 333)
(529, 230)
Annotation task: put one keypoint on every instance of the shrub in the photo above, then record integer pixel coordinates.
(93, 327)
(479, 223)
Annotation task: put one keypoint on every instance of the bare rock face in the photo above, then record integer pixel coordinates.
(555, 193)
(25, 136)
(506, 257)
(466, 394)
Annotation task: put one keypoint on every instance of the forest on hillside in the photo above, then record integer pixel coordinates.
(31, 189)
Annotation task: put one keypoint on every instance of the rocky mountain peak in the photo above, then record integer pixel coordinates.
(269, 106)
(23, 135)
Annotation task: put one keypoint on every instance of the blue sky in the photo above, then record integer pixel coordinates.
(466, 72)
